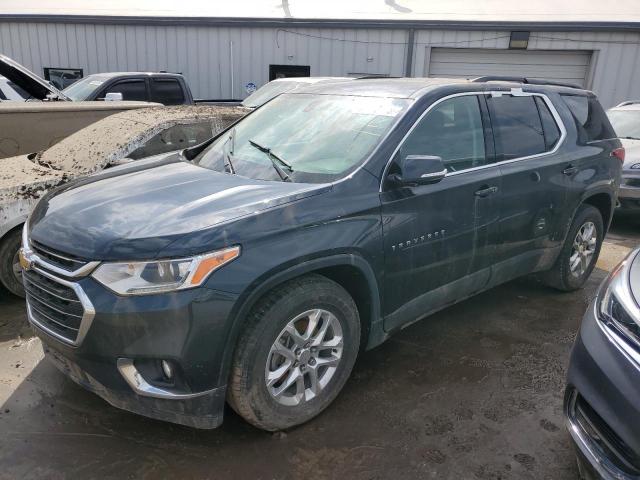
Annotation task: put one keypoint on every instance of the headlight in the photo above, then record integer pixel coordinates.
(140, 278)
(616, 304)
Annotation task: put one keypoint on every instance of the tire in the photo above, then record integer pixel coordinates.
(9, 248)
(255, 357)
(561, 275)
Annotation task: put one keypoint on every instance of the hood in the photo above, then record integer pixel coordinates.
(133, 213)
(34, 85)
(631, 152)
(115, 137)
(21, 178)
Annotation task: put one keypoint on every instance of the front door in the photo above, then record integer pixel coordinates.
(439, 239)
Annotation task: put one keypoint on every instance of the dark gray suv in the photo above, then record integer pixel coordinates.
(254, 267)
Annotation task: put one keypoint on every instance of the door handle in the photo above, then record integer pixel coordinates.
(570, 170)
(485, 191)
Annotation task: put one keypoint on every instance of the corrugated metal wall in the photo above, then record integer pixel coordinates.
(615, 62)
(204, 55)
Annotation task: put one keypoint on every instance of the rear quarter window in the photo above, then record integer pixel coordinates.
(589, 118)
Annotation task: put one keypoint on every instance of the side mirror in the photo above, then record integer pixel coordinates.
(421, 170)
(113, 97)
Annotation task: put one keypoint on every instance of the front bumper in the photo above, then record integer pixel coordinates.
(602, 403)
(203, 410)
(127, 337)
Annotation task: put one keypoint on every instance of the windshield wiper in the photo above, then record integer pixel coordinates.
(631, 138)
(276, 161)
(229, 163)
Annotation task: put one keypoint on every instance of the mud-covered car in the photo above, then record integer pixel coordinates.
(117, 139)
(38, 115)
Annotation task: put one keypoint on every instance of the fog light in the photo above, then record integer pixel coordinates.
(167, 369)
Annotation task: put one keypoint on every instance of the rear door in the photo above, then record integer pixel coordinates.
(528, 134)
(439, 238)
(167, 91)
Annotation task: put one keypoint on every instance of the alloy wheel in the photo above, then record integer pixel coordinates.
(583, 249)
(304, 357)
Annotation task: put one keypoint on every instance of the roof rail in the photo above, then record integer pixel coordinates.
(369, 77)
(628, 102)
(528, 80)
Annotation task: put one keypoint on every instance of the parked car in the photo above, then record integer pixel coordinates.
(10, 92)
(117, 139)
(625, 119)
(159, 87)
(47, 116)
(601, 401)
(254, 268)
(285, 85)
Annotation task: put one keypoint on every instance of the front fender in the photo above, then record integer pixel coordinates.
(281, 274)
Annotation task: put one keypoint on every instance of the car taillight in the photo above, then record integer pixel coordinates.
(618, 153)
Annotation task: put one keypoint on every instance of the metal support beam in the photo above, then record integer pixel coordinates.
(408, 63)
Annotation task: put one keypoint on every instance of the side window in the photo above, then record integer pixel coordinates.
(549, 125)
(173, 138)
(517, 127)
(167, 91)
(130, 90)
(589, 117)
(453, 131)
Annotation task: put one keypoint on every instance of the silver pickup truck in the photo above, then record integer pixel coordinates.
(46, 116)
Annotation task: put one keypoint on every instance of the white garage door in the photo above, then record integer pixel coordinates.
(559, 65)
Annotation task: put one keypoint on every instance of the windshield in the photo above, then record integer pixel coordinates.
(84, 87)
(268, 91)
(315, 138)
(626, 123)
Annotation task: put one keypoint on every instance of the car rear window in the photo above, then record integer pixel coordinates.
(589, 117)
(517, 127)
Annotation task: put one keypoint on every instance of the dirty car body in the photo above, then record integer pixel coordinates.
(348, 204)
(119, 138)
(45, 115)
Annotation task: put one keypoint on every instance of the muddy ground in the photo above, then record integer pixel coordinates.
(474, 392)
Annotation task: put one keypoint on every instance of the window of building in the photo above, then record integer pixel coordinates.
(453, 131)
(62, 77)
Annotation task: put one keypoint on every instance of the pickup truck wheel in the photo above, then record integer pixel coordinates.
(579, 253)
(10, 271)
(296, 353)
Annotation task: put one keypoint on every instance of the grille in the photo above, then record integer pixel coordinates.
(53, 306)
(613, 447)
(56, 258)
